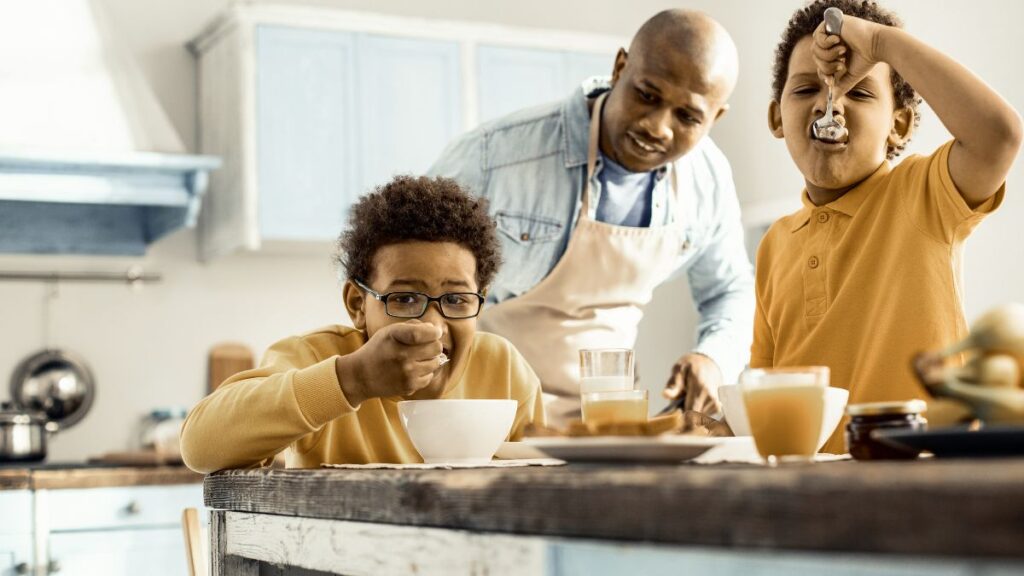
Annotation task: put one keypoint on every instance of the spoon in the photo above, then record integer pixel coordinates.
(827, 127)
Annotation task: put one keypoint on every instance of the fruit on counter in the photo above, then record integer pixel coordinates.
(991, 381)
(994, 370)
(1001, 330)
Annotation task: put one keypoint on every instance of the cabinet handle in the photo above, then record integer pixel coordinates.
(22, 568)
(133, 508)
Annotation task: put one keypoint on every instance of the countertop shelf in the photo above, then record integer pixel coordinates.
(28, 478)
(972, 508)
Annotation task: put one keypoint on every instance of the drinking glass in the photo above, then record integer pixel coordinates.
(785, 409)
(619, 406)
(606, 369)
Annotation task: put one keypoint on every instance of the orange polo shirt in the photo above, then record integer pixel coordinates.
(865, 282)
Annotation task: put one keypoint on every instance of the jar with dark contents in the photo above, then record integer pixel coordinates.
(865, 418)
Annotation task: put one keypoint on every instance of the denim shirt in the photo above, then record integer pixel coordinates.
(531, 166)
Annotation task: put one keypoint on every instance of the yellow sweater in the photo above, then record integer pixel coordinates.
(294, 401)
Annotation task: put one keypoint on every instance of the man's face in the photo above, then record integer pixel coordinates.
(867, 110)
(433, 268)
(659, 108)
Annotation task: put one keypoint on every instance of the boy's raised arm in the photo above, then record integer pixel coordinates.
(987, 129)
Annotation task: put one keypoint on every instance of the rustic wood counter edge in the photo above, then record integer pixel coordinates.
(954, 508)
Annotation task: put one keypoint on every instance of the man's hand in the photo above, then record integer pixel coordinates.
(698, 377)
(397, 360)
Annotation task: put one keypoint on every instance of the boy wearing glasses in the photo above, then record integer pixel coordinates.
(418, 255)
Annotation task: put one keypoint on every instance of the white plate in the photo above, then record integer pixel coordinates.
(518, 451)
(666, 448)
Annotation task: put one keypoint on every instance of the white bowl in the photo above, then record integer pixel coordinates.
(457, 431)
(736, 413)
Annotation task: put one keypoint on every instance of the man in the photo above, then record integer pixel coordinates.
(593, 216)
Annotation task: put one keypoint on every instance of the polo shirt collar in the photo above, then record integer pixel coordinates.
(847, 204)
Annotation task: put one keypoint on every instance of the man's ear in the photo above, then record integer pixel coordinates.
(620, 64)
(775, 119)
(721, 113)
(354, 301)
(902, 127)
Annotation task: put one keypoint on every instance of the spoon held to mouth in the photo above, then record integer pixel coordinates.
(827, 127)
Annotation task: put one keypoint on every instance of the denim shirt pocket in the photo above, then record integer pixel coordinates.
(525, 229)
(529, 245)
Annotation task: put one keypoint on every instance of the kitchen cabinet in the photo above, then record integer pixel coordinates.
(15, 554)
(91, 521)
(515, 78)
(150, 551)
(311, 107)
(15, 532)
(115, 530)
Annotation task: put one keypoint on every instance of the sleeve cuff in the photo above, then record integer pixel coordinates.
(318, 393)
(723, 352)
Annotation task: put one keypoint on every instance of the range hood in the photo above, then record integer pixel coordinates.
(89, 161)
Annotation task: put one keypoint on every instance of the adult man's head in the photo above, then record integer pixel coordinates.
(668, 90)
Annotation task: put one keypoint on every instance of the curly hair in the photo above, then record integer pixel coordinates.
(803, 23)
(418, 208)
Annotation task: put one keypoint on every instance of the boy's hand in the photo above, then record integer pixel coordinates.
(698, 377)
(849, 56)
(397, 360)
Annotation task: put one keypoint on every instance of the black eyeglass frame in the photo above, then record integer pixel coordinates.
(383, 298)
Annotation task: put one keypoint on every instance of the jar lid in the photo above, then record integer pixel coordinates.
(883, 408)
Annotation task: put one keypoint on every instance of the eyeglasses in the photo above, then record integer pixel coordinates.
(453, 305)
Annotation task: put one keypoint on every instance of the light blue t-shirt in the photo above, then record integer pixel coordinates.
(625, 196)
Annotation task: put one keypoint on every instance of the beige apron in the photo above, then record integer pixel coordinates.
(593, 298)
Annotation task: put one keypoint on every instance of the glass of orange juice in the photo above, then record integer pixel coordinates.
(618, 406)
(785, 408)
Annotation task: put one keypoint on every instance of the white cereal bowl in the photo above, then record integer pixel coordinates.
(457, 431)
(736, 412)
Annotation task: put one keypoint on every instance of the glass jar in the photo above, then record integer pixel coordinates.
(865, 418)
(160, 428)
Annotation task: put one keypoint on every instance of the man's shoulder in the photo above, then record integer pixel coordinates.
(522, 136)
(706, 159)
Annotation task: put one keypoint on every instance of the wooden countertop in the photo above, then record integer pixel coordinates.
(99, 477)
(929, 507)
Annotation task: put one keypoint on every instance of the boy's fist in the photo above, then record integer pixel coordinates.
(849, 56)
(397, 360)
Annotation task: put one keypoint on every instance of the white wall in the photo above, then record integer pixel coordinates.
(148, 348)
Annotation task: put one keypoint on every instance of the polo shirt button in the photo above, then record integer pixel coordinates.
(524, 236)
(823, 217)
(812, 262)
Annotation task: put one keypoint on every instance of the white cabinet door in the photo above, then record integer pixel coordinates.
(512, 78)
(316, 155)
(409, 103)
(15, 554)
(154, 552)
(306, 131)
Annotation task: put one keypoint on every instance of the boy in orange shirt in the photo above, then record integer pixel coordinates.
(867, 273)
(418, 253)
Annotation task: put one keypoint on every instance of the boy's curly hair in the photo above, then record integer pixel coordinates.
(803, 23)
(418, 208)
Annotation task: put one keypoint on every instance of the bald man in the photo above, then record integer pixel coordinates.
(602, 197)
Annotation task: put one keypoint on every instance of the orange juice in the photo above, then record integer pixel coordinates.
(785, 420)
(615, 406)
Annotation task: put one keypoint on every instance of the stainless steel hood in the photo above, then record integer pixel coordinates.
(89, 162)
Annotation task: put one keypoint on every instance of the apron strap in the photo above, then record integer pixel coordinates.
(595, 138)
